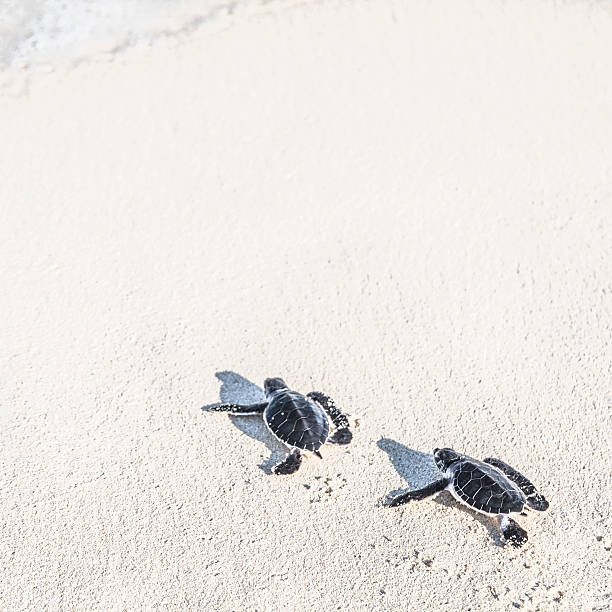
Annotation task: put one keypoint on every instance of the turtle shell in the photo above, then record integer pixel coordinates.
(297, 421)
(485, 488)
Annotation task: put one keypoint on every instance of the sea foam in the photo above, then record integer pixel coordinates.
(47, 32)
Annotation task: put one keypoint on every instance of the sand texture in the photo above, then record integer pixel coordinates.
(405, 205)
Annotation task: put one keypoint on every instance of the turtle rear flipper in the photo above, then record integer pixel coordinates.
(343, 434)
(291, 464)
(512, 531)
(534, 499)
(537, 502)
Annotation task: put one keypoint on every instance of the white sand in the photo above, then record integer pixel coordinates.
(407, 207)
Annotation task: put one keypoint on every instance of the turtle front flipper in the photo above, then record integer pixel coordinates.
(291, 464)
(240, 409)
(512, 531)
(534, 499)
(343, 434)
(420, 494)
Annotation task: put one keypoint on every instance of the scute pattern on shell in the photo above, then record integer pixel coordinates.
(486, 489)
(297, 421)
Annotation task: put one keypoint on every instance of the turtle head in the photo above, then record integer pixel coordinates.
(444, 457)
(273, 384)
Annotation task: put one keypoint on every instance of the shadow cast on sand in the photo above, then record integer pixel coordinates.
(419, 469)
(236, 389)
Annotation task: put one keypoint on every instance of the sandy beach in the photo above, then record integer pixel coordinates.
(407, 206)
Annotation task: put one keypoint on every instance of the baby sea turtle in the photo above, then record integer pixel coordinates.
(301, 422)
(491, 487)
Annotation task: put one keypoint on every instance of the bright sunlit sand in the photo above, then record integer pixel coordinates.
(404, 205)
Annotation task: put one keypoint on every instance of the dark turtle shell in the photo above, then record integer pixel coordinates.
(485, 488)
(297, 421)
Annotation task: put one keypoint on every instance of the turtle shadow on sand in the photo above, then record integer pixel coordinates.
(419, 469)
(236, 389)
